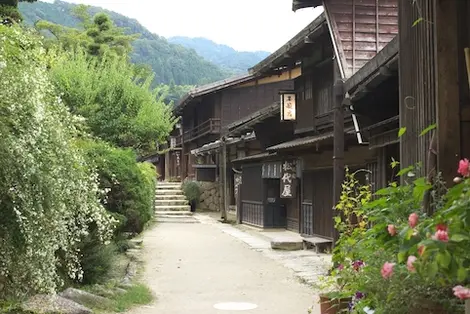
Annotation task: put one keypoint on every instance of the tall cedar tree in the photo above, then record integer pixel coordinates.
(9, 11)
(98, 35)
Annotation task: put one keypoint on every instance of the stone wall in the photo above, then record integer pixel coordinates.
(210, 197)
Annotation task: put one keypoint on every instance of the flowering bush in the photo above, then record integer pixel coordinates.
(412, 262)
(48, 194)
(130, 186)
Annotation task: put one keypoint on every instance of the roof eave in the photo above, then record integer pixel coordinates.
(302, 4)
(211, 88)
(297, 42)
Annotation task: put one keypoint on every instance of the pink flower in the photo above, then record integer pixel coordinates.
(441, 235)
(464, 167)
(413, 220)
(441, 227)
(387, 270)
(421, 249)
(391, 229)
(409, 263)
(340, 267)
(461, 292)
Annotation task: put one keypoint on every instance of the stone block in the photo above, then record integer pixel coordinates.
(85, 298)
(286, 245)
(45, 304)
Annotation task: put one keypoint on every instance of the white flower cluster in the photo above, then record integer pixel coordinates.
(49, 195)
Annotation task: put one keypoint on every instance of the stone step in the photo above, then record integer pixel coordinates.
(168, 187)
(174, 216)
(176, 220)
(173, 213)
(172, 207)
(170, 197)
(169, 202)
(171, 192)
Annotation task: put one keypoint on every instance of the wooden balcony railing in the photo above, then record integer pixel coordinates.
(211, 126)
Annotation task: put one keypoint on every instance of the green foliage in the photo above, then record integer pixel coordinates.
(192, 191)
(136, 295)
(169, 62)
(129, 185)
(48, 194)
(97, 261)
(119, 107)
(98, 35)
(399, 231)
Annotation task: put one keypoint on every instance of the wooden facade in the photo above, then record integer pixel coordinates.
(360, 29)
(359, 82)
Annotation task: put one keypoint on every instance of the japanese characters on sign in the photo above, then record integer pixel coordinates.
(288, 106)
(271, 170)
(288, 179)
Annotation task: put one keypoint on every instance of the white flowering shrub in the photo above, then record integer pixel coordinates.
(48, 194)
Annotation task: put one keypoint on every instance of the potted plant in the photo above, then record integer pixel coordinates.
(192, 191)
(335, 297)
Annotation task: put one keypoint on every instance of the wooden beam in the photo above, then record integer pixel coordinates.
(338, 142)
(448, 102)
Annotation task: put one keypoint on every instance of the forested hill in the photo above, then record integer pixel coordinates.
(170, 62)
(222, 55)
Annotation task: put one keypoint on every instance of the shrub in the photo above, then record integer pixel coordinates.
(130, 186)
(406, 261)
(118, 107)
(48, 194)
(192, 191)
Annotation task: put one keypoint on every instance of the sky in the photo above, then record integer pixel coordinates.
(245, 25)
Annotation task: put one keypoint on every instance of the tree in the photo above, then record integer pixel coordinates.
(98, 35)
(9, 11)
(118, 104)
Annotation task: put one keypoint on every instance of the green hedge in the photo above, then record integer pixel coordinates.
(130, 186)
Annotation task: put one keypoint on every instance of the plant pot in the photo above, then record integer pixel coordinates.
(329, 305)
(193, 205)
(428, 307)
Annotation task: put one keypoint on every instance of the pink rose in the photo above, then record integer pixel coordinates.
(413, 220)
(391, 229)
(409, 263)
(461, 292)
(464, 168)
(421, 249)
(441, 235)
(387, 270)
(441, 227)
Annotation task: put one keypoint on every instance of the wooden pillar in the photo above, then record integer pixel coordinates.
(338, 143)
(447, 92)
(223, 215)
(167, 175)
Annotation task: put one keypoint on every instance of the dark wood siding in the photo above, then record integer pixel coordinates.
(252, 195)
(361, 28)
(317, 203)
(315, 108)
(237, 103)
(417, 79)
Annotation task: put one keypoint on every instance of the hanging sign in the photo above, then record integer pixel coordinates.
(288, 179)
(288, 106)
(271, 170)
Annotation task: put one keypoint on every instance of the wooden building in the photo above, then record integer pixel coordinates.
(330, 52)
(433, 82)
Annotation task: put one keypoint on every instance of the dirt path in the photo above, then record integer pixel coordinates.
(192, 267)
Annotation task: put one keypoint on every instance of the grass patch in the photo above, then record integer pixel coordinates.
(136, 295)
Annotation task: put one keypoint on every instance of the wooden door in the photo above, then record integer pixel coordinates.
(322, 203)
(293, 212)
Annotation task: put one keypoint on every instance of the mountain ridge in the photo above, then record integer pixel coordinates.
(172, 63)
(220, 54)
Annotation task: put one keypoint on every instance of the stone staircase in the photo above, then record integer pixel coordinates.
(171, 205)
